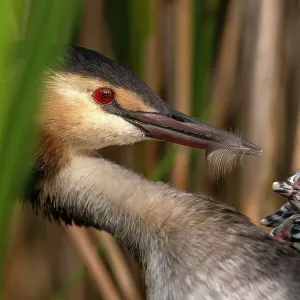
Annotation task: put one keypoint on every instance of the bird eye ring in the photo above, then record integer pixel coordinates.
(103, 95)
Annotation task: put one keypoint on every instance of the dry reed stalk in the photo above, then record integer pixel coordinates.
(99, 274)
(93, 28)
(182, 86)
(153, 76)
(118, 265)
(153, 51)
(17, 240)
(265, 109)
(293, 53)
(225, 73)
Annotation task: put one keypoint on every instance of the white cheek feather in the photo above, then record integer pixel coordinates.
(107, 129)
(71, 92)
(100, 129)
(90, 127)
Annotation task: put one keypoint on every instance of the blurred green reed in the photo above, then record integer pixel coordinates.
(139, 30)
(38, 24)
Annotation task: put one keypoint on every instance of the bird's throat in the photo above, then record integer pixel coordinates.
(95, 192)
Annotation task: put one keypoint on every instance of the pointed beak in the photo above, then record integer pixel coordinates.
(173, 126)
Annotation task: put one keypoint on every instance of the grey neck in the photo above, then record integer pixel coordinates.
(189, 246)
(143, 215)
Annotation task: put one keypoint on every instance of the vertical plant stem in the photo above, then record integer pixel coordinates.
(88, 253)
(205, 20)
(139, 29)
(265, 113)
(93, 27)
(139, 26)
(225, 73)
(153, 75)
(119, 266)
(183, 68)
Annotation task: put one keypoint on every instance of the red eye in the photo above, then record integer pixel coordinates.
(103, 95)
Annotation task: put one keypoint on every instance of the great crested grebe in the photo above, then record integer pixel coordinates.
(189, 246)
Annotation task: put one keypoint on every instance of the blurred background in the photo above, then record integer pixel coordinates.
(232, 63)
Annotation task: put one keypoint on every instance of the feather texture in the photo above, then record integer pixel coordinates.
(221, 161)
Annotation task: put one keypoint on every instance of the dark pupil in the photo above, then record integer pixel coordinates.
(105, 95)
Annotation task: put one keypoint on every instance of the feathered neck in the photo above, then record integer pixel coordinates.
(177, 237)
